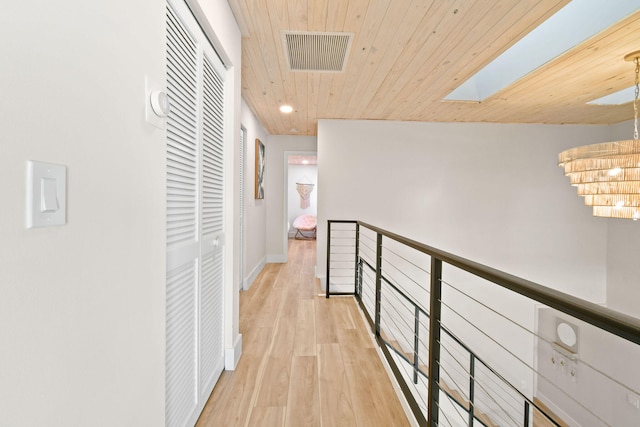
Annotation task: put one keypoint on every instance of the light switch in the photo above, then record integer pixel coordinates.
(46, 194)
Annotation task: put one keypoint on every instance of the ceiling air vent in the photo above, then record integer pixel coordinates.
(316, 51)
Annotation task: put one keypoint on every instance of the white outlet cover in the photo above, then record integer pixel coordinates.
(46, 194)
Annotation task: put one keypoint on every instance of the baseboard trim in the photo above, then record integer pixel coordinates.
(232, 355)
(276, 259)
(254, 274)
(323, 282)
(560, 416)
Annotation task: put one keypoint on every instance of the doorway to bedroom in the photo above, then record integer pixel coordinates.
(302, 195)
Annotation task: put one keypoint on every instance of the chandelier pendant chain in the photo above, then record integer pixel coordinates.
(635, 101)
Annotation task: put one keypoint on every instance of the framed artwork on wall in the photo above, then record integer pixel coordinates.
(259, 187)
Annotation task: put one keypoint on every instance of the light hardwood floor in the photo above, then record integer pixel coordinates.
(307, 360)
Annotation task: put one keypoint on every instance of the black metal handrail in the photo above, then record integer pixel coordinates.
(612, 321)
(624, 326)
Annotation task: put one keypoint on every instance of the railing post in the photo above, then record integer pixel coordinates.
(472, 386)
(434, 341)
(378, 281)
(526, 413)
(328, 276)
(357, 264)
(416, 343)
(359, 284)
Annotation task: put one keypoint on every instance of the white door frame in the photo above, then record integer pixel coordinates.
(285, 197)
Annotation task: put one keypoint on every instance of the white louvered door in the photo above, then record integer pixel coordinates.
(211, 298)
(195, 240)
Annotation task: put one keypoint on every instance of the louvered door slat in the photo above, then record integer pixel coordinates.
(180, 37)
(211, 340)
(211, 355)
(181, 92)
(182, 154)
(213, 167)
(182, 190)
(181, 338)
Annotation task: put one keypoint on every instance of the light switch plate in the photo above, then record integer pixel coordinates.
(46, 194)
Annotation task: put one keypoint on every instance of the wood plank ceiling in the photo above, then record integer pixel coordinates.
(407, 55)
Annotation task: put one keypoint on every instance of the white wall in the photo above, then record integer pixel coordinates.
(255, 210)
(623, 268)
(275, 186)
(296, 173)
(82, 305)
(489, 192)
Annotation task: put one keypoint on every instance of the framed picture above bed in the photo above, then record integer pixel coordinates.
(259, 187)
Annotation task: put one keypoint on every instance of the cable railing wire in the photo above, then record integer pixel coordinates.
(541, 337)
(504, 382)
(389, 250)
(405, 323)
(444, 413)
(446, 370)
(544, 339)
(477, 383)
(390, 286)
(523, 363)
(405, 367)
(401, 352)
(398, 328)
(389, 277)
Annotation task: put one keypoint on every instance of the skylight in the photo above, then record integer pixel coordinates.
(576, 22)
(617, 98)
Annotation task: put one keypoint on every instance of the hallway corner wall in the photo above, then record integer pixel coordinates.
(255, 209)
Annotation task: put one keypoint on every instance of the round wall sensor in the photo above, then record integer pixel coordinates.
(159, 103)
(567, 335)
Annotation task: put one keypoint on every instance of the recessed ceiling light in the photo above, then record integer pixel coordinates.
(286, 109)
(305, 162)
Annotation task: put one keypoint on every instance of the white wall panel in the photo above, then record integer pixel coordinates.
(492, 193)
(82, 306)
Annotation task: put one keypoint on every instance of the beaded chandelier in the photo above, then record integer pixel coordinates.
(607, 175)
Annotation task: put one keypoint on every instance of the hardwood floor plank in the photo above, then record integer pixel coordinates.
(374, 400)
(303, 405)
(325, 325)
(305, 338)
(259, 306)
(341, 312)
(274, 387)
(268, 416)
(335, 398)
(228, 407)
(256, 341)
(306, 360)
